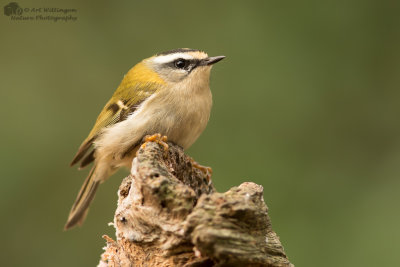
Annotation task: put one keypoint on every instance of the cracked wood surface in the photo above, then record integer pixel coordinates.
(169, 214)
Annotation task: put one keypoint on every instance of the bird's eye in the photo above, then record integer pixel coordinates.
(180, 63)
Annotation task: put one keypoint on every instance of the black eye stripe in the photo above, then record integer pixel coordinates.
(186, 64)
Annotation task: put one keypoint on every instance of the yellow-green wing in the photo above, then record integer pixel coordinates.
(125, 101)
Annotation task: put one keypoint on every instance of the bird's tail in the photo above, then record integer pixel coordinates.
(79, 209)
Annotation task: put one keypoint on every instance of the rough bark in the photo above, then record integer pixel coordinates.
(169, 214)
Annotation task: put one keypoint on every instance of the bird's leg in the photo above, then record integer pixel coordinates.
(204, 169)
(158, 138)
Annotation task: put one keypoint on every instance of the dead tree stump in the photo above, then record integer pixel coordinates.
(169, 214)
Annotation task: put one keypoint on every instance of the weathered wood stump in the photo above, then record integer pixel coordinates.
(169, 214)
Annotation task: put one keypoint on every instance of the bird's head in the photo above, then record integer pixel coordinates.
(175, 66)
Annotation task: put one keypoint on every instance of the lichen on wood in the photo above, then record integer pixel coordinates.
(169, 214)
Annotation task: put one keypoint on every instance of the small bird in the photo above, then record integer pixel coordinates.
(167, 94)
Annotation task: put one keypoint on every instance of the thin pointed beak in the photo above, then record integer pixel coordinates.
(211, 60)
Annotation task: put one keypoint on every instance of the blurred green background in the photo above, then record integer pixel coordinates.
(306, 103)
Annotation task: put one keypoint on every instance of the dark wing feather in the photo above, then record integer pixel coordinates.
(124, 102)
(87, 160)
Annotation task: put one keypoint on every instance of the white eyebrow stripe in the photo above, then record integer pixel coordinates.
(172, 57)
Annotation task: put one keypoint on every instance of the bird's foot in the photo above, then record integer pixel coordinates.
(204, 169)
(158, 138)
